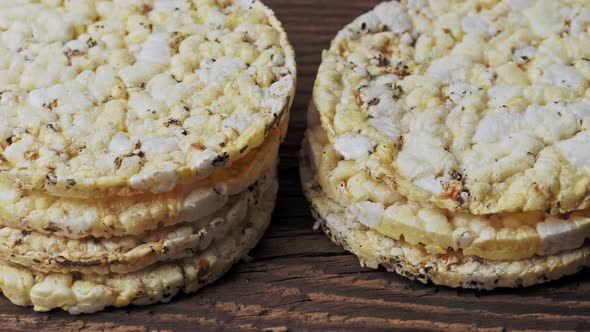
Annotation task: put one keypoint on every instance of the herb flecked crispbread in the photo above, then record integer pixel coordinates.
(101, 98)
(475, 106)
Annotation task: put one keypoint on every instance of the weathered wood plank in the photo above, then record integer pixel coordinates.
(299, 280)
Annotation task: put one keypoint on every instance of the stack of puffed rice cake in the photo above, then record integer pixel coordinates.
(449, 141)
(138, 145)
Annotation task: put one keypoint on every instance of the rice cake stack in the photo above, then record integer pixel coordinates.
(449, 141)
(138, 146)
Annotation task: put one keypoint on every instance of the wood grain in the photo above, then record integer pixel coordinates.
(299, 280)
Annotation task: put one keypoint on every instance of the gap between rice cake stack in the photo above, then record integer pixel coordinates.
(138, 146)
(449, 141)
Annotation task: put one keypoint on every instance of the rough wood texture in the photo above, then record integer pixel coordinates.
(299, 280)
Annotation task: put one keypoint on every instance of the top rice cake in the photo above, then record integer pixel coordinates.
(103, 98)
(476, 106)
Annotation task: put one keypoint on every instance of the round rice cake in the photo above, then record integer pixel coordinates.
(134, 215)
(475, 106)
(46, 253)
(451, 268)
(78, 293)
(103, 98)
(505, 236)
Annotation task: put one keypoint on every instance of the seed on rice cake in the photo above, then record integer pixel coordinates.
(474, 106)
(134, 215)
(452, 268)
(377, 206)
(78, 293)
(48, 253)
(103, 98)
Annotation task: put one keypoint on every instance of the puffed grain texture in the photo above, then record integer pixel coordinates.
(119, 98)
(451, 269)
(135, 215)
(474, 106)
(126, 254)
(78, 294)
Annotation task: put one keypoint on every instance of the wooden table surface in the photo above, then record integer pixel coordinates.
(299, 280)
